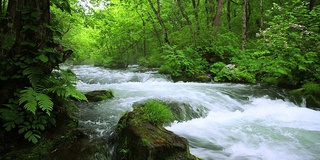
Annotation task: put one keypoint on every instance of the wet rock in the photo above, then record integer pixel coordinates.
(99, 95)
(181, 111)
(137, 139)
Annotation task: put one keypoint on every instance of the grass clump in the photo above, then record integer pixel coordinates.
(156, 113)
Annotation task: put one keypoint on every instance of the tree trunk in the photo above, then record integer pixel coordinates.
(158, 14)
(244, 24)
(210, 11)
(155, 29)
(196, 15)
(261, 14)
(228, 14)
(311, 4)
(144, 35)
(1, 10)
(185, 15)
(29, 19)
(31, 45)
(217, 17)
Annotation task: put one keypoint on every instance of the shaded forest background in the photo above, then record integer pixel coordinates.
(244, 41)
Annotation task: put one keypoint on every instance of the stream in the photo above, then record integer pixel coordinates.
(243, 122)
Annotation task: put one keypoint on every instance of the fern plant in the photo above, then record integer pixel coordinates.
(33, 100)
(33, 113)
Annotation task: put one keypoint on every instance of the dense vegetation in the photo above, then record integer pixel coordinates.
(275, 42)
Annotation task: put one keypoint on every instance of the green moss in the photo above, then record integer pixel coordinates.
(99, 95)
(156, 113)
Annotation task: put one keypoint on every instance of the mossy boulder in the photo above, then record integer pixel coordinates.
(99, 95)
(181, 111)
(139, 139)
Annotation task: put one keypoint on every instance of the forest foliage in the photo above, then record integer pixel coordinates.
(247, 41)
(192, 38)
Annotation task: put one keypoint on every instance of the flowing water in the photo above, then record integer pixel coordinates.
(244, 122)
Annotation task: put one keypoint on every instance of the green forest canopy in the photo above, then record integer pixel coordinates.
(248, 41)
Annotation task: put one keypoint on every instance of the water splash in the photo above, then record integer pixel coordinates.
(245, 122)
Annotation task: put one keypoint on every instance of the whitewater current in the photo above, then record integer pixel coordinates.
(244, 122)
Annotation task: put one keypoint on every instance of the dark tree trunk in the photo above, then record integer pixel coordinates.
(29, 19)
(144, 35)
(1, 10)
(311, 4)
(27, 23)
(157, 12)
(228, 15)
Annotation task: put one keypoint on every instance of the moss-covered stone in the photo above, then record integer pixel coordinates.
(181, 111)
(99, 95)
(138, 139)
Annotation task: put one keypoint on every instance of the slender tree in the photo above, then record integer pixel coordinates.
(209, 11)
(228, 14)
(261, 14)
(195, 6)
(157, 12)
(244, 24)
(186, 17)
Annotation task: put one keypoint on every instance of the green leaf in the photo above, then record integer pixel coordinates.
(34, 138)
(9, 126)
(43, 58)
(27, 43)
(28, 97)
(282, 71)
(28, 134)
(40, 126)
(21, 130)
(44, 102)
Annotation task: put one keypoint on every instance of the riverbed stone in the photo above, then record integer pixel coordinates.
(99, 95)
(137, 139)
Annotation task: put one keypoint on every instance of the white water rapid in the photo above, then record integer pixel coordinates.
(244, 122)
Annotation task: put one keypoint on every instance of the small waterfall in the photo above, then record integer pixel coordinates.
(242, 122)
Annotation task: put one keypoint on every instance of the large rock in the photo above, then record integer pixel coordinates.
(99, 95)
(141, 140)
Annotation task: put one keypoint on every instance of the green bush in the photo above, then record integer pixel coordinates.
(184, 62)
(156, 113)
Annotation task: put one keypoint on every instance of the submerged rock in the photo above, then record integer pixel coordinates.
(138, 139)
(99, 95)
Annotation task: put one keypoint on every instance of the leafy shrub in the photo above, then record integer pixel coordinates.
(183, 62)
(222, 73)
(311, 92)
(291, 56)
(156, 113)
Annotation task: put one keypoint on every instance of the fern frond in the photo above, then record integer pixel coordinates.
(27, 97)
(34, 75)
(44, 102)
(73, 92)
(32, 100)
